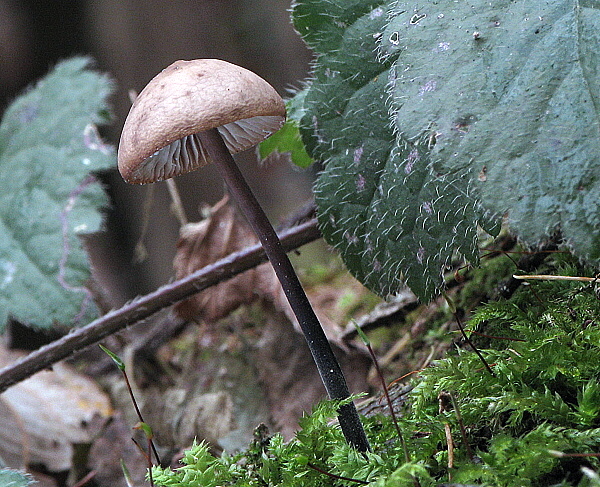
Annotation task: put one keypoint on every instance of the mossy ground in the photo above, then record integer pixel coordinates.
(534, 422)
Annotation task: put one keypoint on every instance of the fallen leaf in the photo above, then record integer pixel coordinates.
(215, 396)
(208, 415)
(205, 242)
(45, 416)
(225, 231)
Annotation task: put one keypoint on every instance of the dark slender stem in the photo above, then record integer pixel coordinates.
(328, 366)
(151, 447)
(461, 425)
(388, 399)
(472, 345)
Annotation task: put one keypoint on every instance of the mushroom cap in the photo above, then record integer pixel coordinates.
(159, 139)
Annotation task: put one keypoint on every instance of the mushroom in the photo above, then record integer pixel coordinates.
(201, 111)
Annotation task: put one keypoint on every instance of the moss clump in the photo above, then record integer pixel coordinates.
(533, 423)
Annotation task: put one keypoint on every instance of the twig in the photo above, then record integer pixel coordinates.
(450, 443)
(337, 477)
(145, 306)
(527, 263)
(86, 479)
(461, 425)
(547, 277)
(140, 252)
(454, 311)
(444, 400)
(176, 204)
(560, 454)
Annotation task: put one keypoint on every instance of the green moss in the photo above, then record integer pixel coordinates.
(482, 281)
(522, 425)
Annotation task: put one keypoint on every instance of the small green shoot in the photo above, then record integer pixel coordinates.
(126, 474)
(149, 435)
(363, 336)
(142, 424)
(116, 359)
(145, 427)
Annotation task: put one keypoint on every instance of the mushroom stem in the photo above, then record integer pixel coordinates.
(327, 365)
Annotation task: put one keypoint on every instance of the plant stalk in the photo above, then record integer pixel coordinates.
(327, 365)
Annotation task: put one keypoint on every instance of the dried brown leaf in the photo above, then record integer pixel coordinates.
(203, 243)
(224, 232)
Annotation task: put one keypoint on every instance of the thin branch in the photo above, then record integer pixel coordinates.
(546, 277)
(337, 477)
(176, 204)
(461, 425)
(145, 306)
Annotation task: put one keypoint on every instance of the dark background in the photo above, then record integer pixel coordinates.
(133, 40)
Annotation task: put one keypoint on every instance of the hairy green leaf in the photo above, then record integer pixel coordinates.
(14, 478)
(393, 218)
(323, 24)
(510, 90)
(434, 118)
(49, 144)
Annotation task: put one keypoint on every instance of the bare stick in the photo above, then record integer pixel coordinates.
(145, 306)
(176, 204)
(545, 277)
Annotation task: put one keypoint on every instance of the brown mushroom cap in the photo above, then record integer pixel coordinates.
(159, 139)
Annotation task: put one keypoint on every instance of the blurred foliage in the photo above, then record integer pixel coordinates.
(49, 145)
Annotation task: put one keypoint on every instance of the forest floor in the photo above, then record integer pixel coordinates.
(215, 368)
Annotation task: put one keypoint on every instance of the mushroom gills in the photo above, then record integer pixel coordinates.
(187, 154)
(243, 134)
(179, 157)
